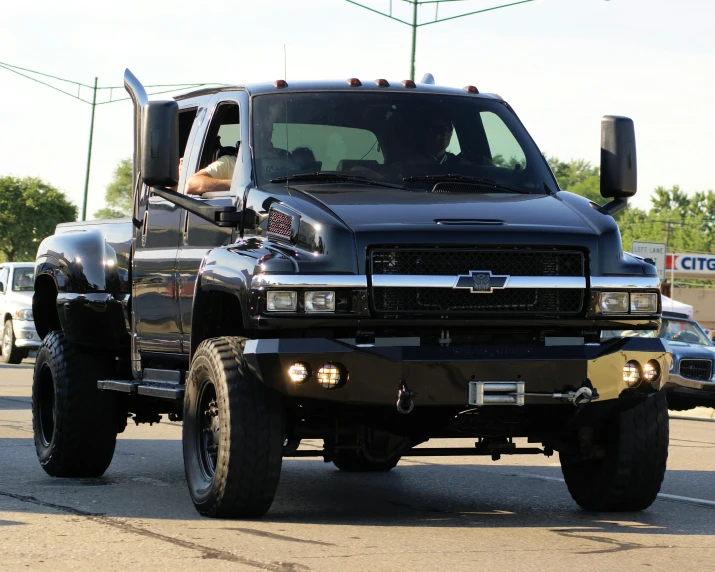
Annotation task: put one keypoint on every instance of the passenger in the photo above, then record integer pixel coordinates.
(303, 159)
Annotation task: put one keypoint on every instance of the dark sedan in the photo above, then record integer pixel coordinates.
(690, 382)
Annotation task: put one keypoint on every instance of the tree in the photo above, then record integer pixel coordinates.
(30, 209)
(119, 193)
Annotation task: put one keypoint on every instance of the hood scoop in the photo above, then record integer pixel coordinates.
(469, 188)
(469, 221)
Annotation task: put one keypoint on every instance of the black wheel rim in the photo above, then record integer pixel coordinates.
(208, 431)
(46, 405)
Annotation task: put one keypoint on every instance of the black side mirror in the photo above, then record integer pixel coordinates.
(160, 144)
(618, 157)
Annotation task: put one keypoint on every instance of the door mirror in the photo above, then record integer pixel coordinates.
(2, 288)
(618, 157)
(160, 144)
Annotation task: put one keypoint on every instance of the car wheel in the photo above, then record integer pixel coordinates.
(10, 352)
(232, 434)
(624, 469)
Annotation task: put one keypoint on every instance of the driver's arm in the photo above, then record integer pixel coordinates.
(214, 178)
(201, 182)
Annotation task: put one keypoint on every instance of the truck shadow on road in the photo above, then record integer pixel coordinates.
(146, 486)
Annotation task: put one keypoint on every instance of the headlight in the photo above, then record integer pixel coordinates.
(644, 303)
(281, 301)
(614, 302)
(632, 373)
(22, 315)
(320, 301)
(651, 371)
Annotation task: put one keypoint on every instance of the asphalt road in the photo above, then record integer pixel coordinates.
(461, 513)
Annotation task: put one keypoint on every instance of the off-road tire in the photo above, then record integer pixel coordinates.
(12, 354)
(353, 461)
(241, 479)
(75, 424)
(629, 476)
(678, 403)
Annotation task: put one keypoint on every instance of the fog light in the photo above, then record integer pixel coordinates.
(320, 301)
(644, 303)
(331, 376)
(299, 372)
(281, 301)
(632, 373)
(614, 302)
(651, 371)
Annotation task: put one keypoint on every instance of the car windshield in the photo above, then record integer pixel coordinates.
(412, 140)
(683, 331)
(23, 279)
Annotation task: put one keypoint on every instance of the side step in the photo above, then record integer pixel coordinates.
(149, 388)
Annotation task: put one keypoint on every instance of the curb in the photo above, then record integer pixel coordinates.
(696, 414)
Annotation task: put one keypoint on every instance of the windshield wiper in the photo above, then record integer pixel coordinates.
(323, 176)
(448, 178)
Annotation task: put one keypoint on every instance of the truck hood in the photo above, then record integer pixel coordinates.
(376, 209)
(18, 300)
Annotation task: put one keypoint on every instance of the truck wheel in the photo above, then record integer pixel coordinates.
(75, 424)
(677, 403)
(628, 476)
(376, 452)
(232, 434)
(10, 352)
(355, 462)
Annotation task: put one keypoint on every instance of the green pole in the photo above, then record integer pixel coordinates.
(414, 40)
(89, 151)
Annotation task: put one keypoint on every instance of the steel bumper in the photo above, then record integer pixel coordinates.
(26, 334)
(441, 375)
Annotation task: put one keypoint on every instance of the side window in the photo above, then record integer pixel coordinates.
(4, 275)
(222, 142)
(505, 149)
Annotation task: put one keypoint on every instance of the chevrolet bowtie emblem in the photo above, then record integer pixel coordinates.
(481, 281)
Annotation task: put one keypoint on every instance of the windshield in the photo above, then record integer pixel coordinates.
(683, 331)
(22, 279)
(389, 137)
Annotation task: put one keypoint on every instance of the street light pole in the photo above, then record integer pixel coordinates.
(89, 151)
(414, 25)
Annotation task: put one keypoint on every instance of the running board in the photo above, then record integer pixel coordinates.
(171, 391)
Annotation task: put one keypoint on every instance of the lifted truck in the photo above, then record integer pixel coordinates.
(355, 285)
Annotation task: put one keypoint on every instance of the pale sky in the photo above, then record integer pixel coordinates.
(561, 64)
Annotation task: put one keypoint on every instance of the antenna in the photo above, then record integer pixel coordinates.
(285, 63)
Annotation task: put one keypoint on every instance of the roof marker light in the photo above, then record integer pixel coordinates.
(408, 83)
(470, 89)
(280, 83)
(354, 82)
(382, 83)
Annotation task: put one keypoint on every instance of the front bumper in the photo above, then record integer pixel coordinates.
(691, 391)
(441, 375)
(26, 334)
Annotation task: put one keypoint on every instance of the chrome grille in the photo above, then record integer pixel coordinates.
(544, 301)
(700, 369)
(438, 261)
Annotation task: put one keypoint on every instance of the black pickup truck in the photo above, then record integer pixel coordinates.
(394, 262)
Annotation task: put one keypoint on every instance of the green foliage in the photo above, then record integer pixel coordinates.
(30, 209)
(119, 193)
(578, 176)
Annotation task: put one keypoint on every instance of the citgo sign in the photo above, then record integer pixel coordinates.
(691, 263)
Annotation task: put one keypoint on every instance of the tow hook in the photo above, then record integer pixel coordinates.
(405, 403)
(584, 394)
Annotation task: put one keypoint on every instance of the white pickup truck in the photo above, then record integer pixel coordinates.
(16, 289)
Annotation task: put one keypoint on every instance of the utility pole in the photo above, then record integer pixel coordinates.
(89, 151)
(24, 72)
(412, 23)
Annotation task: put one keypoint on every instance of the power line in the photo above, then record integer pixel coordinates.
(23, 72)
(413, 23)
